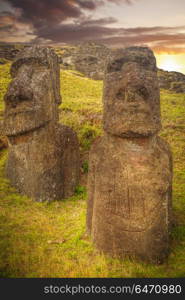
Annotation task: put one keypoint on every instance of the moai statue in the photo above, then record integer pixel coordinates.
(43, 158)
(130, 176)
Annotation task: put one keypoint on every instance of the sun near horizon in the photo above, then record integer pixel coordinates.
(171, 62)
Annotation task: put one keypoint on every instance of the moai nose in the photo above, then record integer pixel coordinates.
(130, 97)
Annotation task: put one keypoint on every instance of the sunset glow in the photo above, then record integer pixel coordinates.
(171, 62)
(157, 24)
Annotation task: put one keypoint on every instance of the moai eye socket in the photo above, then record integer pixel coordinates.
(143, 92)
(116, 65)
(120, 94)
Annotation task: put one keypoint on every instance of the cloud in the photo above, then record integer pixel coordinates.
(55, 11)
(68, 21)
(160, 39)
(51, 11)
(129, 2)
(74, 33)
(47, 18)
(156, 37)
(40, 14)
(98, 22)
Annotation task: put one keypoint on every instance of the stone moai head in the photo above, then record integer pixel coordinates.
(33, 95)
(131, 93)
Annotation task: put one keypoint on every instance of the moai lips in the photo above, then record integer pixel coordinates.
(130, 172)
(43, 160)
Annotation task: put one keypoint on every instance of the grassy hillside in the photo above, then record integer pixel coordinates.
(4, 79)
(49, 239)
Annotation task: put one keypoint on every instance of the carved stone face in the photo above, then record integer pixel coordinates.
(131, 96)
(31, 101)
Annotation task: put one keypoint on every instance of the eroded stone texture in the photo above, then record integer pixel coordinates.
(174, 81)
(43, 160)
(88, 58)
(131, 94)
(130, 172)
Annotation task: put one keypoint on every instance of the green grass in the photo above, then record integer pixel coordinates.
(82, 106)
(4, 80)
(49, 239)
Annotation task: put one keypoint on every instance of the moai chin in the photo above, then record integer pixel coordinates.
(130, 176)
(43, 158)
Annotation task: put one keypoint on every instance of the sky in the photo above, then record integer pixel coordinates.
(159, 24)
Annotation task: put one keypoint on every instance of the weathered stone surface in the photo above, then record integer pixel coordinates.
(3, 139)
(131, 94)
(35, 74)
(43, 160)
(177, 87)
(167, 79)
(88, 58)
(91, 59)
(130, 169)
(9, 51)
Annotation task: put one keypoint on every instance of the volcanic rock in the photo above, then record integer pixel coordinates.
(43, 159)
(130, 169)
